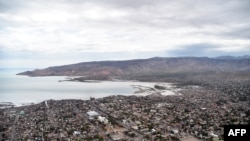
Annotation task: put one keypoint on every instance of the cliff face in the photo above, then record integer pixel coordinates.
(157, 65)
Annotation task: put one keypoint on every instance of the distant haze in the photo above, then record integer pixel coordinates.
(39, 33)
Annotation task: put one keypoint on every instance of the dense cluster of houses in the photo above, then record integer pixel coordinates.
(196, 114)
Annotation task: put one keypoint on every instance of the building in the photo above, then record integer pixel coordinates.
(92, 114)
(103, 120)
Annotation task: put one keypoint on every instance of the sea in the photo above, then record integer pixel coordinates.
(22, 90)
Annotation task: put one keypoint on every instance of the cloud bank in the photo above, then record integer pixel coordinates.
(65, 31)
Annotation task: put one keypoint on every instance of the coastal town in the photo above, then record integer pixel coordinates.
(124, 70)
(196, 113)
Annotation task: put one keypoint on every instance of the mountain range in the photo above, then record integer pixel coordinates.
(147, 68)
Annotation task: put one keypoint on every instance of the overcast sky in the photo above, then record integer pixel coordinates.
(42, 33)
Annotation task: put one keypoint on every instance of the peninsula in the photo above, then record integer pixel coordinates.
(152, 69)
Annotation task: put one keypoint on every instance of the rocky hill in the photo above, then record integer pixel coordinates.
(130, 69)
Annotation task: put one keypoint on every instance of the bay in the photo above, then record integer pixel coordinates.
(23, 89)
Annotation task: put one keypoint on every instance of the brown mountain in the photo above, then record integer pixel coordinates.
(130, 69)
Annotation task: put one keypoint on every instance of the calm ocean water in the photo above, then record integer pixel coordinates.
(23, 89)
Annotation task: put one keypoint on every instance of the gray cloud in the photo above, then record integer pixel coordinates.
(204, 49)
(239, 33)
(134, 28)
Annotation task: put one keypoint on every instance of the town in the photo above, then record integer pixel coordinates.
(196, 113)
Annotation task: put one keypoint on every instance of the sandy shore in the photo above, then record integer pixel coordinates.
(169, 89)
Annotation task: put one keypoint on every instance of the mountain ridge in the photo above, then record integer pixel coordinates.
(130, 69)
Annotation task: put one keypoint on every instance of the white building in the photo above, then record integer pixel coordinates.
(92, 114)
(103, 120)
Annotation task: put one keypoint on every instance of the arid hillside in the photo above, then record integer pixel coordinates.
(149, 69)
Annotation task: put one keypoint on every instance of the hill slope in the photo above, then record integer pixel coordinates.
(145, 67)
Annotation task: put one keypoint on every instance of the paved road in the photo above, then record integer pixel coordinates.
(13, 131)
(51, 118)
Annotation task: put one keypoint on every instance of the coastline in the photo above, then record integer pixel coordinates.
(22, 93)
(4, 105)
(144, 89)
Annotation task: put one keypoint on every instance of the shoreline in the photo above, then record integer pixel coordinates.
(138, 90)
(4, 105)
